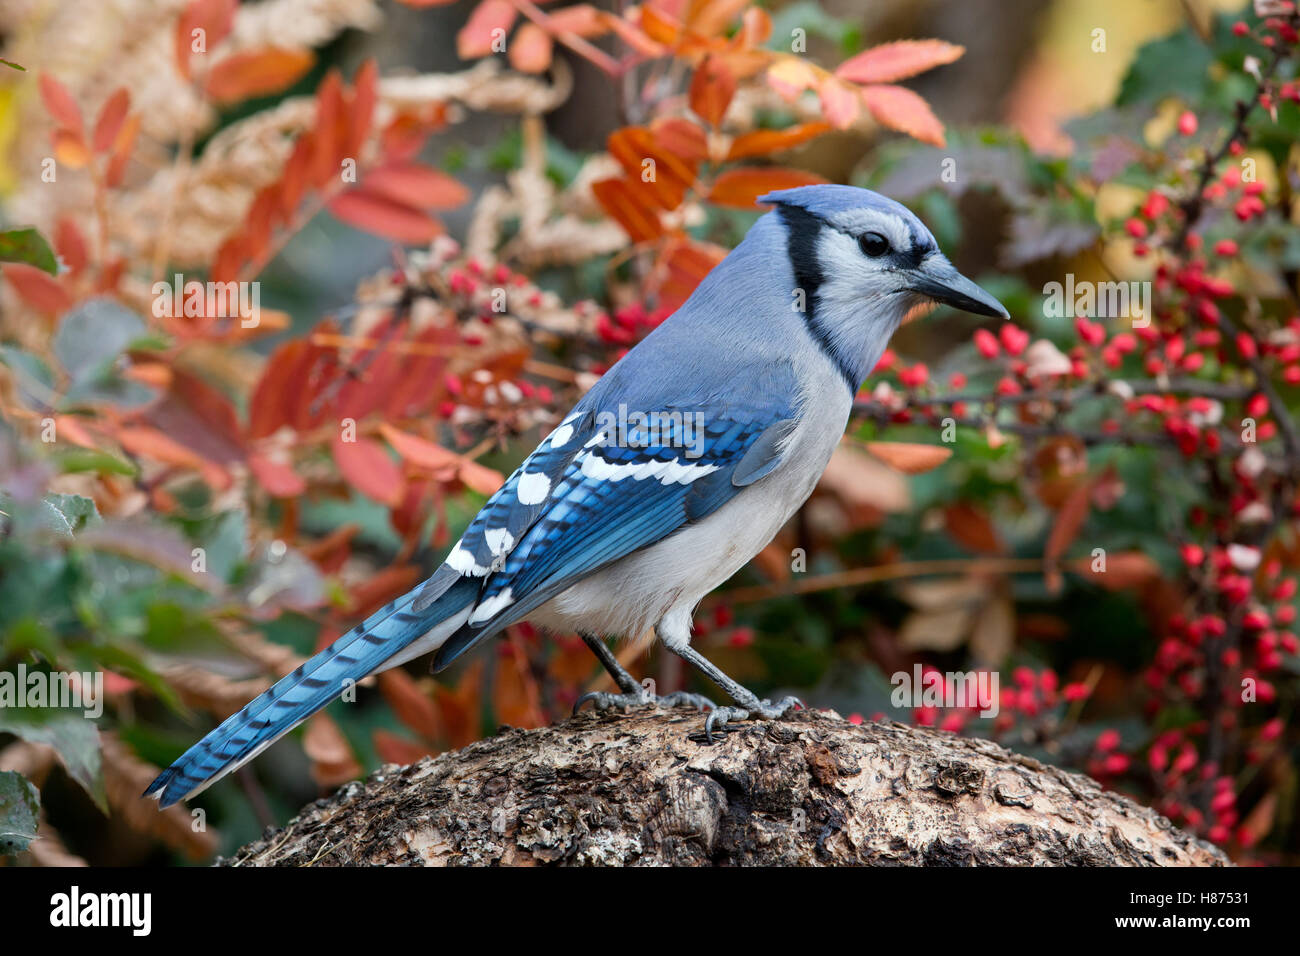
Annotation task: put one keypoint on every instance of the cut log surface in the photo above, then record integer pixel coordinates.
(643, 789)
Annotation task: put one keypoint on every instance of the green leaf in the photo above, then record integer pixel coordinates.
(29, 246)
(72, 735)
(33, 377)
(20, 807)
(66, 514)
(94, 333)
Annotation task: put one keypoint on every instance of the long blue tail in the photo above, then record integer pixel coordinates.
(411, 624)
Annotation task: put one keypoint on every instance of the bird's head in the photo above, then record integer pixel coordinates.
(862, 263)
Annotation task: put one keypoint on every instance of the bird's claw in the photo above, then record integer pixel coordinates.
(719, 717)
(604, 701)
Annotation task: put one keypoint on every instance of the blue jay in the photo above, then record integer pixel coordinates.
(675, 469)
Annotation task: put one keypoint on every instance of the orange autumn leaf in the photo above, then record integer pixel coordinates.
(60, 103)
(581, 19)
(908, 457)
(624, 204)
(480, 478)
(366, 467)
(413, 707)
(712, 87)
(740, 188)
(123, 145)
(111, 117)
(711, 17)
(332, 762)
(790, 76)
(420, 451)
(666, 181)
(901, 109)
(659, 25)
(891, 62)
(257, 73)
(70, 148)
(763, 141)
(382, 216)
(531, 49)
(415, 185)
(487, 25)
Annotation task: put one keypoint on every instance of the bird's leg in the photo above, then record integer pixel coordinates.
(746, 698)
(633, 693)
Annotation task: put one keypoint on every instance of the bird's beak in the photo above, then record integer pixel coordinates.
(936, 279)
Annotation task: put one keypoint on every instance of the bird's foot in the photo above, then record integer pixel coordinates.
(604, 701)
(719, 717)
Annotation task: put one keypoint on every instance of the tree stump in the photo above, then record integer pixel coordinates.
(810, 790)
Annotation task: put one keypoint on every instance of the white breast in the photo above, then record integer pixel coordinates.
(669, 578)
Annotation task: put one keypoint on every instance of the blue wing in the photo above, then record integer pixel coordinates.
(634, 482)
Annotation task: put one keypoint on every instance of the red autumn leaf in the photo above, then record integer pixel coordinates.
(531, 49)
(146, 442)
(257, 73)
(60, 103)
(970, 527)
(763, 141)
(891, 62)
(628, 209)
(381, 216)
(41, 291)
(414, 185)
(197, 415)
(329, 132)
(286, 384)
(378, 589)
(361, 108)
(390, 747)
(413, 707)
(479, 33)
(420, 451)
(712, 88)
(581, 19)
(279, 479)
(790, 76)
(841, 103)
(293, 179)
(901, 109)
(111, 117)
(740, 188)
(214, 18)
(366, 467)
(71, 245)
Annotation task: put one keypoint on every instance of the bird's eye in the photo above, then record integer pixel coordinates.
(873, 244)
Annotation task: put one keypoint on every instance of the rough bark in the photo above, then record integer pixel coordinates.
(643, 789)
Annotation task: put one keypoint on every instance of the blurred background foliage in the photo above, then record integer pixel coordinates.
(186, 512)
